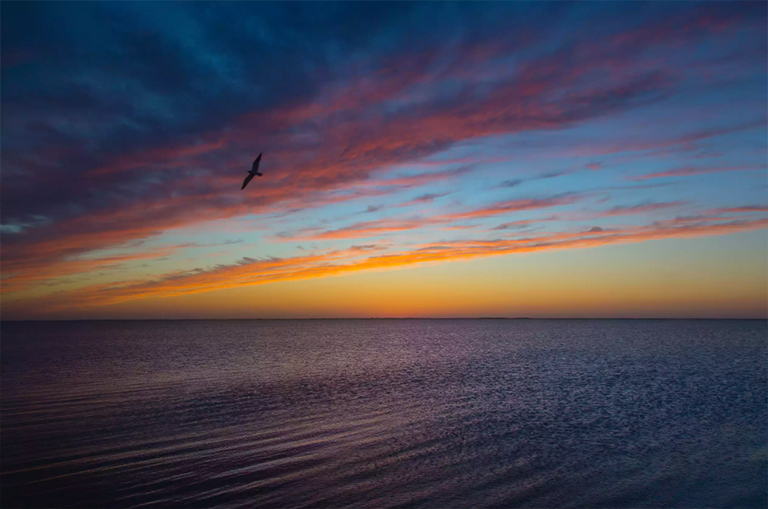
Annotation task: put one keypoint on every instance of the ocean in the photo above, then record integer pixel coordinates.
(384, 414)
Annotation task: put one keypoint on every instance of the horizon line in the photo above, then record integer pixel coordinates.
(379, 318)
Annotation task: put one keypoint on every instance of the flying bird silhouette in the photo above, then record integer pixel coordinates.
(254, 171)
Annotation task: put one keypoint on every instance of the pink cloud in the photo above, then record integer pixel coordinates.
(381, 226)
(688, 171)
(638, 209)
(340, 140)
(745, 208)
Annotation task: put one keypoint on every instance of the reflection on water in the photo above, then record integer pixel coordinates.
(384, 413)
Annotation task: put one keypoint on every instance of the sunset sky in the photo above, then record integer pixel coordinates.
(420, 159)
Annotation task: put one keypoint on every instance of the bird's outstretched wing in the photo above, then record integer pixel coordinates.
(255, 167)
(247, 179)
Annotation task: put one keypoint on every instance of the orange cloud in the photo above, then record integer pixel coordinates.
(252, 272)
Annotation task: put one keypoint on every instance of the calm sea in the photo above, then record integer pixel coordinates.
(384, 414)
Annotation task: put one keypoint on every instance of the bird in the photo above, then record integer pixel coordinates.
(254, 171)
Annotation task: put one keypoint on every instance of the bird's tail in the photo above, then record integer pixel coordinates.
(258, 174)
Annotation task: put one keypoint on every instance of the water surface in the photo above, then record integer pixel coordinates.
(384, 413)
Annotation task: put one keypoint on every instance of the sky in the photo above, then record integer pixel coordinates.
(588, 159)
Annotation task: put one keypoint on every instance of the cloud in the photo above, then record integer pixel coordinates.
(315, 142)
(688, 171)
(637, 209)
(424, 198)
(249, 271)
(372, 208)
(511, 183)
(685, 141)
(363, 229)
(23, 275)
(744, 208)
(111, 154)
(401, 182)
(368, 247)
(523, 223)
(390, 225)
(519, 205)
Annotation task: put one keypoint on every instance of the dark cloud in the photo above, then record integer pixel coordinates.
(424, 198)
(372, 208)
(639, 209)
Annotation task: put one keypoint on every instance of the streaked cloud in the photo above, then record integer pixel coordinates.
(697, 170)
(249, 271)
(481, 117)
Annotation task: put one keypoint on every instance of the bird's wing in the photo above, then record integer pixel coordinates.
(255, 166)
(247, 179)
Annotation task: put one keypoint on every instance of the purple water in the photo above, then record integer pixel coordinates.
(384, 413)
